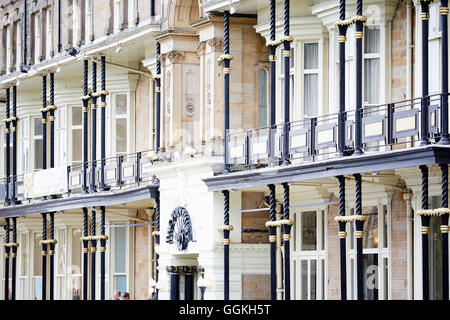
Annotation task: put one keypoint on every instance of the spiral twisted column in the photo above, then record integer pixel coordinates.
(425, 230)
(156, 234)
(7, 143)
(103, 94)
(85, 253)
(287, 223)
(342, 238)
(85, 98)
(359, 227)
(444, 232)
(287, 39)
(94, 95)
(425, 100)
(445, 139)
(272, 44)
(14, 143)
(226, 244)
(93, 250)
(273, 242)
(7, 250)
(226, 59)
(44, 256)
(104, 237)
(14, 258)
(52, 254)
(359, 34)
(158, 98)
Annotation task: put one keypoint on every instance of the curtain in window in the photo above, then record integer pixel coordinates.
(311, 56)
(372, 40)
(311, 94)
(371, 80)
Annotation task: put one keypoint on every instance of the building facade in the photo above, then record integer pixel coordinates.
(158, 147)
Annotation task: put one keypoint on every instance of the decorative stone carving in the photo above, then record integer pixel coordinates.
(216, 44)
(175, 56)
(179, 227)
(201, 48)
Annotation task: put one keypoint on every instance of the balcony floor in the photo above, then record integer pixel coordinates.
(366, 163)
(78, 201)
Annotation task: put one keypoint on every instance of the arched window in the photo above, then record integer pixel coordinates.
(263, 97)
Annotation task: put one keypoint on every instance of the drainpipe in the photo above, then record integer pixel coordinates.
(410, 244)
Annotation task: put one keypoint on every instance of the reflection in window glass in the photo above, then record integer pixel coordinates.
(385, 227)
(121, 104)
(309, 230)
(121, 135)
(313, 280)
(77, 145)
(386, 278)
(77, 113)
(304, 285)
(370, 278)
(262, 98)
(120, 249)
(370, 229)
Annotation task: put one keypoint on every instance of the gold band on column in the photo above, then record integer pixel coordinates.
(425, 230)
(359, 35)
(443, 11)
(272, 238)
(342, 38)
(226, 241)
(424, 16)
(342, 234)
(444, 229)
(286, 237)
(359, 234)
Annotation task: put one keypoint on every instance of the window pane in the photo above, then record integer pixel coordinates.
(24, 255)
(434, 66)
(311, 56)
(435, 259)
(24, 156)
(370, 228)
(309, 230)
(385, 227)
(386, 278)
(37, 126)
(61, 251)
(77, 116)
(37, 270)
(38, 154)
(77, 145)
(121, 135)
(120, 242)
(262, 98)
(371, 80)
(76, 250)
(304, 286)
(37, 288)
(292, 62)
(311, 95)
(121, 104)
(121, 283)
(370, 280)
(313, 279)
(372, 40)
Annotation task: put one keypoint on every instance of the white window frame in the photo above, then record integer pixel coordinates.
(368, 56)
(24, 142)
(305, 71)
(61, 144)
(34, 137)
(280, 83)
(267, 95)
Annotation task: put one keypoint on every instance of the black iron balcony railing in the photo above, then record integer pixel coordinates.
(384, 127)
(120, 172)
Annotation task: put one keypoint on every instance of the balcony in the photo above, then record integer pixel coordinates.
(391, 136)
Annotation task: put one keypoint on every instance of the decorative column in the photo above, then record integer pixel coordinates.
(85, 98)
(342, 25)
(85, 240)
(14, 141)
(7, 143)
(359, 227)
(14, 246)
(156, 235)
(424, 16)
(103, 93)
(174, 274)
(444, 230)
(103, 238)
(359, 20)
(445, 139)
(287, 39)
(44, 111)
(189, 283)
(93, 250)
(425, 230)
(158, 97)
(272, 225)
(6, 245)
(342, 221)
(94, 125)
(272, 44)
(51, 253)
(226, 58)
(44, 256)
(226, 228)
(286, 223)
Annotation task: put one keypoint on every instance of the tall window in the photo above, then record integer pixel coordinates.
(309, 255)
(291, 81)
(37, 266)
(36, 20)
(60, 137)
(24, 260)
(263, 95)
(434, 47)
(375, 254)
(120, 274)
(61, 263)
(37, 143)
(5, 147)
(435, 251)
(120, 124)
(372, 65)
(311, 79)
(76, 273)
(18, 43)
(24, 135)
(77, 134)
(48, 33)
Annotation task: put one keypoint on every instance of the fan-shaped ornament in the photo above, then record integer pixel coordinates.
(179, 228)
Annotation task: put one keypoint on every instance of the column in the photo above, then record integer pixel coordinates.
(425, 230)
(359, 20)
(103, 238)
(93, 250)
(287, 39)
(14, 141)
(85, 98)
(85, 240)
(94, 126)
(103, 93)
(226, 228)
(156, 235)
(444, 230)
(51, 253)
(189, 283)
(158, 97)
(6, 245)
(174, 274)
(14, 246)
(424, 16)
(273, 242)
(359, 233)
(287, 223)
(445, 139)
(342, 221)
(44, 256)
(7, 143)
